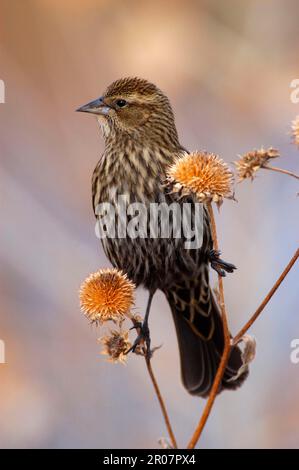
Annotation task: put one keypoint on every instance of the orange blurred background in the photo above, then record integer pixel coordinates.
(227, 68)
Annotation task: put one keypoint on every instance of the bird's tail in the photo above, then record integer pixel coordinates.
(200, 337)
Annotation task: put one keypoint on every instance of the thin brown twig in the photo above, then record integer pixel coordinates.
(161, 402)
(280, 170)
(266, 299)
(226, 350)
(158, 393)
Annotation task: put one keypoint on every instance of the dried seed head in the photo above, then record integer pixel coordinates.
(251, 162)
(295, 130)
(204, 174)
(106, 295)
(116, 345)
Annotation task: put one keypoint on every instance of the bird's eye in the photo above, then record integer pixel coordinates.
(121, 103)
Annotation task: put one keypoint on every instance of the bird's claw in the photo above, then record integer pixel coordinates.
(143, 340)
(136, 326)
(220, 266)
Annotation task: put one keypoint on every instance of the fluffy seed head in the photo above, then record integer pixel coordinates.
(204, 174)
(295, 130)
(106, 295)
(251, 162)
(116, 344)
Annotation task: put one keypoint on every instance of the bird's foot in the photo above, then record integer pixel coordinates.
(142, 344)
(220, 266)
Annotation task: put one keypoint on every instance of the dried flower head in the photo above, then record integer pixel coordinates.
(251, 162)
(116, 345)
(106, 295)
(203, 174)
(295, 130)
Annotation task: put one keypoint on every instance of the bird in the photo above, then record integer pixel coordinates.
(141, 141)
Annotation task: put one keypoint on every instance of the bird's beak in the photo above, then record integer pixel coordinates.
(97, 106)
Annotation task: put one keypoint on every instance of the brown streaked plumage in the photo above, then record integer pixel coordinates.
(141, 141)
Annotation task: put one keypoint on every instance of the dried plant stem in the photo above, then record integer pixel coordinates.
(212, 396)
(161, 403)
(226, 350)
(157, 391)
(267, 298)
(280, 170)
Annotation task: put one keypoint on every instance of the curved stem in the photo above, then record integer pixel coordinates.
(226, 350)
(280, 170)
(147, 358)
(161, 402)
(266, 299)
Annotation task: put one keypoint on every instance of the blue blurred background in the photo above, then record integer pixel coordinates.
(227, 68)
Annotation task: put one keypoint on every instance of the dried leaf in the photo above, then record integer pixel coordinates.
(248, 354)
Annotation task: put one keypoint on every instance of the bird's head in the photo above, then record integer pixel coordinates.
(135, 107)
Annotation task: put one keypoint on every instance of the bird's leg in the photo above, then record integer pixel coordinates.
(143, 329)
(222, 267)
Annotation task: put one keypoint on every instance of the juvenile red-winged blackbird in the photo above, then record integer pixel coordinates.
(141, 141)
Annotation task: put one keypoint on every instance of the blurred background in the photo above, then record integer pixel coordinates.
(227, 68)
